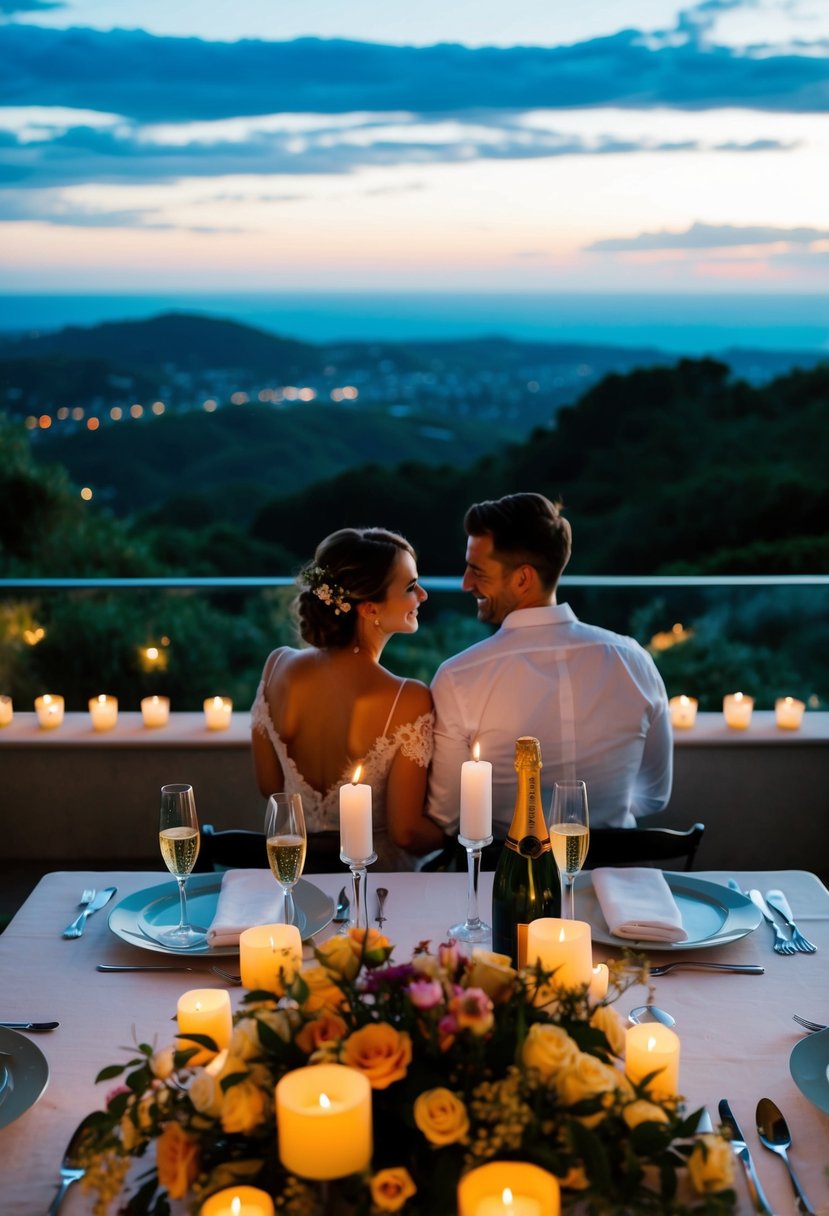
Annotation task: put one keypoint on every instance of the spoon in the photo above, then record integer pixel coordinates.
(774, 1134)
(71, 1169)
(650, 1013)
(382, 892)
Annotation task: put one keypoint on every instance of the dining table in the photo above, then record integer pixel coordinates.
(736, 1030)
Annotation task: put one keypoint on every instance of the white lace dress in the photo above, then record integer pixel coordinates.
(322, 810)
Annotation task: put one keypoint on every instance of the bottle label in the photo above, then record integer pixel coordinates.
(521, 945)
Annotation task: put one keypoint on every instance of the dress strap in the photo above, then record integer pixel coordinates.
(282, 652)
(394, 707)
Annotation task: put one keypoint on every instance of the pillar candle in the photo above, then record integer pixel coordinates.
(562, 946)
(323, 1121)
(204, 1011)
(104, 711)
(49, 710)
(509, 1188)
(155, 711)
(217, 711)
(238, 1201)
(6, 710)
(788, 712)
(356, 840)
(683, 711)
(267, 950)
(476, 798)
(598, 983)
(651, 1046)
(737, 709)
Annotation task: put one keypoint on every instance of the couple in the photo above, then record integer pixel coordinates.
(593, 698)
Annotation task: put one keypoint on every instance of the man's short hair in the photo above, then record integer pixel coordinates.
(526, 529)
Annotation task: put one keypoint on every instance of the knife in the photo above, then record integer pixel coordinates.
(741, 1151)
(34, 1027)
(781, 942)
(100, 900)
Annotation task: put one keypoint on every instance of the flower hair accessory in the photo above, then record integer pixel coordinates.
(321, 584)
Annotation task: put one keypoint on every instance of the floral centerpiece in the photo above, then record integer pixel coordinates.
(469, 1061)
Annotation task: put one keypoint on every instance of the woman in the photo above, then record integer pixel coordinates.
(321, 711)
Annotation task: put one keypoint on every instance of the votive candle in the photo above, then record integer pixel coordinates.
(155, 711)
(49, 710)
(356, 839)
(104, 711)
(599, 981)
(509, 1188)
(238, 1201)
(788, 712)
(476, 797)
(737, 709)
(653, 1048)
(269, 956)
(683, 711)
(323, 1121)
(217, 711)
(562, 946)
(6, 710)
(204, 1011)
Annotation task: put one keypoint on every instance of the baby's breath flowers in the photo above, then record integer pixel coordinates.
(321, 584)
(465, 1066)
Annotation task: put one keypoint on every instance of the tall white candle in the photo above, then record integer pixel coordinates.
(476, 797)
(49, 710)
(103, 711)
(356, 839)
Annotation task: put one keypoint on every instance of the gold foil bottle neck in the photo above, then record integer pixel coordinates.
(527, 753)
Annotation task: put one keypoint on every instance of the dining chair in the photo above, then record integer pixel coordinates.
(643, 846)
(240, 849)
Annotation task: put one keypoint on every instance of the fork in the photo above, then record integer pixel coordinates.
(812, 1027)
(87, 897)
(778, 901)
(782, 945)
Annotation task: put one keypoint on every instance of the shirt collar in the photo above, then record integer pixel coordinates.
(548, 614)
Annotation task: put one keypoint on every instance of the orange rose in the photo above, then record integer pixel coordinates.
(391, 1188)
(370, 945)
(324, 1031)
(322, 993)
(441, 1117)
(176, 1160)
(337, 955)
(380, 1053)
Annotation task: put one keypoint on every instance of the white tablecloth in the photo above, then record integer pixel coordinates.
(736, 1031)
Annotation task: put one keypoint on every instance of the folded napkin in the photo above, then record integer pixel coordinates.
(247, 897)
(637, 903)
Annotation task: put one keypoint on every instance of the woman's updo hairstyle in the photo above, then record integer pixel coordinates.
(349, 567)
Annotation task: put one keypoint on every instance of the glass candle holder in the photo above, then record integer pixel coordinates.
(473, 929)
(155, 711)
(49, 710)
(6, 710)
(358, 912)
(788, 713)
(683, 711)
(104, 711)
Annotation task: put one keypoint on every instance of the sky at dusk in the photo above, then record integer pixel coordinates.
(479, 146)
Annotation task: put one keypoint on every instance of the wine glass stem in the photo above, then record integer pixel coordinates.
(182, 904)
(358, 909)
(289, 905)
(473, 871)
(568, 897)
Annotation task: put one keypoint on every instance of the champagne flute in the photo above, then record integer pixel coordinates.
(179, 839)
(570, 838)
(286, 843)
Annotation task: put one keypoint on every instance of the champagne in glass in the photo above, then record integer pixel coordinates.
(570, 837)
(286, 843)
(178, 838)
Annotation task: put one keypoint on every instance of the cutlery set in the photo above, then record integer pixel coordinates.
(797, 943)
(774, 1135)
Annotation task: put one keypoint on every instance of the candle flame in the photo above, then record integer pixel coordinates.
(218, 702)
(788, 700)
(506, 1197)
(102, 698)
(738, 696)
(357, 774)
(683, 700)
(562, 936)
(476, 751)
(46, 699)
(651, 1044)
(273, 944)
(235, 1205)
(325, 1101)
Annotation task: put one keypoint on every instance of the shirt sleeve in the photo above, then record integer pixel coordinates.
(655, 778)
(451, 748)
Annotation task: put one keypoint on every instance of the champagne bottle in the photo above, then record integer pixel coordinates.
(526, 884)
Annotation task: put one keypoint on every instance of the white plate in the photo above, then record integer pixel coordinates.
(711, 914)
(25, 1072)
(809, 1066)
(141, 915)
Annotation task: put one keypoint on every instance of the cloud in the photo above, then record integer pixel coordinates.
(160, 79)
(710, 236)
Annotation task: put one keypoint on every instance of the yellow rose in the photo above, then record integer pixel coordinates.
(206, 1093)
(337, 956)
(176, 1156)
(320, 1033)
(548, 1050)
(243, 1107)
(426, 966)
(322, 993)
(161, 1062)
(244, 1042)
(612, 1026)
(590, 1078)
(381, 1053)
(370, 946)
(492, 972)
(282, 1022)
(641, 1111)
(441, 1117)
(711, 1164)
(391, 1188)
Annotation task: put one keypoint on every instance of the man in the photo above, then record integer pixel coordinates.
(593, 698)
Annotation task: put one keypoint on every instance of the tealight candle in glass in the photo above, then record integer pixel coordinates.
(217, 711)
(155, 711)
(49, 710)
(683, 711)
(6, 710)
(103, 711)
(737, 709)
(788, 713)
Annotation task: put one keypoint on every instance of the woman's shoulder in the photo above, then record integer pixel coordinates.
(415, 700)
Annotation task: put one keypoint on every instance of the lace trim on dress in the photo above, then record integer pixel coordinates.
(417, 739)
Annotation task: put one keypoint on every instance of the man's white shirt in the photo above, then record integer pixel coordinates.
(594, 699)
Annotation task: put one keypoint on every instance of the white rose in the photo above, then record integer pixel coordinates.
(206, 1093)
